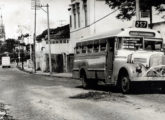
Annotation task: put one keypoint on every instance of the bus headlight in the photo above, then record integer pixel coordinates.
(129, 58)
(139, 68)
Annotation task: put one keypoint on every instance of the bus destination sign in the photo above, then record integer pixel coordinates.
(141, 24)
(144, 34)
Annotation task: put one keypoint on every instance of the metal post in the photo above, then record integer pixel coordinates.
(137, 10)
(30, 51)
(50, 62)
(34, 40)
(151, 24)
(19, 54)
(22, 57)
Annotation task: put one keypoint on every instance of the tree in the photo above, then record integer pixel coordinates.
(10, 45)
(127, 7)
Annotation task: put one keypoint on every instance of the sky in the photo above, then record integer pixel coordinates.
(18, 16)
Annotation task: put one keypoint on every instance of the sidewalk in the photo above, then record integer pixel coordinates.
(60, 75)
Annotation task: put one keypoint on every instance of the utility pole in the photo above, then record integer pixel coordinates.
(37, 5)
(34, 39)
(50, 59)
(22, 53)
(137, 10)
(151, 25)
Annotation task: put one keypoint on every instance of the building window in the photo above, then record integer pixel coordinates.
(78, 13)
(74, 15)
(70, 21)
(85, 11)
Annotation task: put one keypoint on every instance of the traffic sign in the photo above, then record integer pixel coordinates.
(141, 24)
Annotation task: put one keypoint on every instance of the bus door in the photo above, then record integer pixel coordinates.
(109, 59)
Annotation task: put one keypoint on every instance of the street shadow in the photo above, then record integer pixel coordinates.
(99, 95)
(105, 88)
(137, 89)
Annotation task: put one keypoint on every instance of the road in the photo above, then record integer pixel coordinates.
(34, 97)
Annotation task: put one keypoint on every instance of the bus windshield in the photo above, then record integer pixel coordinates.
(153, 45)
(130, 43)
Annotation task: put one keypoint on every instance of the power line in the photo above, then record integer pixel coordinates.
(96, 21)
(124, 4)
(103, 17)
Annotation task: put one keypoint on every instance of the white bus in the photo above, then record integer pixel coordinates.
(5, 60)
(121, 57)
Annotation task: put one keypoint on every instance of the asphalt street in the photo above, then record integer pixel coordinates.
(35, 97)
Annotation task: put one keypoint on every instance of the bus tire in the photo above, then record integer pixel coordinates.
(125, 85)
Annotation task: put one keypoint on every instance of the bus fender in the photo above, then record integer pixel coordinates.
(129, 69)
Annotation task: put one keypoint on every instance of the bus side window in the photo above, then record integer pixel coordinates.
(90, 48)
(78, 50)
(96, 47)
(84, 49)
(102, 46)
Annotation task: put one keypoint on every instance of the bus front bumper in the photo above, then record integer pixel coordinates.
(145, 79)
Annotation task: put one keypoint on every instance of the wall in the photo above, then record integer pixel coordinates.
(57, 48)
(59, 52)
(160, 27)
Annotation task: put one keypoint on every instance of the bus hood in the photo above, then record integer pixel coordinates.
(123, 54)
(147, 58)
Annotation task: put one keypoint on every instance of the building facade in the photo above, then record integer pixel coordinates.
(59, 43)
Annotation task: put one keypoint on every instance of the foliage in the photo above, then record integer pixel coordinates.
(127, 7)
(63, 32)
(10, 45)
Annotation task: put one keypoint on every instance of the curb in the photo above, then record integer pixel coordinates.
(19, 68)
(30, 72)
(53, 76)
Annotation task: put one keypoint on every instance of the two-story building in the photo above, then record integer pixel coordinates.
(59, 43)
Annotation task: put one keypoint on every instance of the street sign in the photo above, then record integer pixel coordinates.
(141, 24)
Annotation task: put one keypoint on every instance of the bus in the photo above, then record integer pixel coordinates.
(121, 58)
(5, 60)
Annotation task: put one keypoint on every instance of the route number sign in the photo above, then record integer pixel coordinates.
(141, 24)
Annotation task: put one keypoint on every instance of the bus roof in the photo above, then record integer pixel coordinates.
(129, 32)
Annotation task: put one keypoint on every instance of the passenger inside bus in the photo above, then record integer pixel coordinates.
(153, 45)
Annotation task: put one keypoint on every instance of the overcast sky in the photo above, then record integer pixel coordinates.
(19, 13)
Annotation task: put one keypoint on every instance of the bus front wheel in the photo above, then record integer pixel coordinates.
(125, 85)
